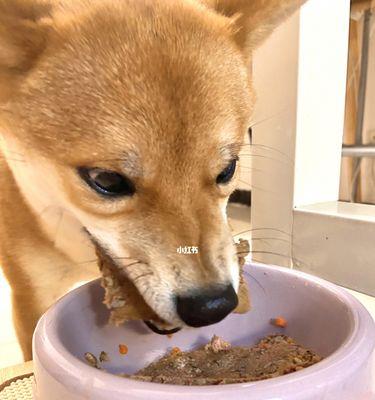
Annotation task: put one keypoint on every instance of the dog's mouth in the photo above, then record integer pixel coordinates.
(118, 286)
(159, 330)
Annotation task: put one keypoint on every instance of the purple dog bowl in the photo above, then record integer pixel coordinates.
(320, 316)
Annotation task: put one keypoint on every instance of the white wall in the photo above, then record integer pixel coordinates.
(275, 72)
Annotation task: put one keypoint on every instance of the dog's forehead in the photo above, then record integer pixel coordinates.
(123, 82)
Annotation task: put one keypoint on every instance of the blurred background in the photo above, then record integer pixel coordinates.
(358, 163)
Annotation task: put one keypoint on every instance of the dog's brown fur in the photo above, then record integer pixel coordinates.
(157, 90)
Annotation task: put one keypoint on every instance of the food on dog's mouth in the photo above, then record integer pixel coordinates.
(121, 295)
(280, 322)
(243, 250)
(126, 303)
(219, 363)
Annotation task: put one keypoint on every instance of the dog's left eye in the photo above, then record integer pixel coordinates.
(227, 174)
(108, 183)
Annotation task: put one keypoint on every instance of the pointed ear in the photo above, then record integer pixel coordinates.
(254, 20)
(24, 27)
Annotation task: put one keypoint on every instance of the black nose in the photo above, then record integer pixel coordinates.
(207, 307)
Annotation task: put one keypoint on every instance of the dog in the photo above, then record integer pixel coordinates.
(121, 124)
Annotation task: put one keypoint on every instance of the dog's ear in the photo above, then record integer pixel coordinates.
(254, 20)
(24, 28)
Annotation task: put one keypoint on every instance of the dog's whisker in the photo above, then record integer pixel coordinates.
(142, 276)
(243, 252)
(263, 120)
(291, 257)
(265, 147)
(15, 152)
(272, 238)
(285, 162)
(86, 262)
(15, 160)
(256, 187)
(264, 252)
(255, 280)
(81, 262)
(95, 260)
(132, 264)
(258, 261)
(241, 233)
(44, 210)
(109, 160)
(58, 226)
(242, 181)
(261, 229)
(251, 169)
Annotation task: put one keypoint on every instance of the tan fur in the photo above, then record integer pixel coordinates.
(154, 89)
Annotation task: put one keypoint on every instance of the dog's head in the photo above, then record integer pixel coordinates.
(132, 114)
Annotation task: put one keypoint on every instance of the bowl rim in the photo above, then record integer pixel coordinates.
(354, 351)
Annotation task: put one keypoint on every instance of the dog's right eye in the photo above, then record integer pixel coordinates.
(107, 183)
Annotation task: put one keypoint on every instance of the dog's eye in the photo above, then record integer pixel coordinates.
(227, 174)
(107, 183)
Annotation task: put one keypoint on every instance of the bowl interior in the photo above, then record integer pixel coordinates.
(317, 318)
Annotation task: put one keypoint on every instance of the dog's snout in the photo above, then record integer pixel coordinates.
(207, 307)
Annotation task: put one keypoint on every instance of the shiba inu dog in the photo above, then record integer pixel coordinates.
(121, 122)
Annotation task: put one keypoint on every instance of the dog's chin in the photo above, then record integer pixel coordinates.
(161, 328)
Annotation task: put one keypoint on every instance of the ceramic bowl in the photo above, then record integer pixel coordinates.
(320, 316)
